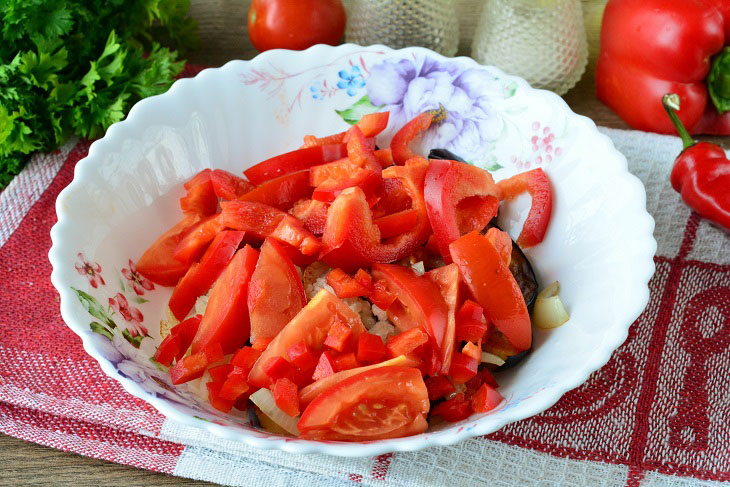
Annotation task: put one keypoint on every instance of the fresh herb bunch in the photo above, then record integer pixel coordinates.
(76, 67)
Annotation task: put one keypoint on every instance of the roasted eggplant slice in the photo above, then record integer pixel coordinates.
(444, 154)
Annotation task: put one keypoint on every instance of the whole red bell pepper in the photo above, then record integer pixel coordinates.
(701, 173)
(653, 47)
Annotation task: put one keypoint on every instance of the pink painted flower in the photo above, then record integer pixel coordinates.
(138, 283)
(92, 271)
(131, 314)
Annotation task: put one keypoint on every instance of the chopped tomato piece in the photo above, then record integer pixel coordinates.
(312, 213)
(168, 349)
(189, 368)
(229, 186)
(261, 343)
(339, 337)
(301, 355)
(219, 373)
(537, 184)
(485, 399)
(472, 350)
(214, 396)
(286, 396)
(200, 277)
(275, 293)
(463, 368)
(325, 367)
(234, 387)
(455, 409)
(297, 160)
(158, 263)
(439, 386)
(245, 358)
(451, 185)
(448, 281)
(494, 287)
(346, 361)
(406, 342)
(345, 286)
(376, 403)
(401, 140)
(196, 241)
(470, 323)
(397, 223)
(281, 192)
(381, 296)
(226, 320)
(266, 221)
(311, 324)
(370, 348)
(200, 198)
(501, 242)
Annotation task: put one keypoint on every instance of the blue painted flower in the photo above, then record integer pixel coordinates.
(316, 90)
(351, 81)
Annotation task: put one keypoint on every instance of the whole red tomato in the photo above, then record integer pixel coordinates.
(295, 24)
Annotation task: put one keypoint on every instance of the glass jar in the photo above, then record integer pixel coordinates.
(402, 23)
(542, 41)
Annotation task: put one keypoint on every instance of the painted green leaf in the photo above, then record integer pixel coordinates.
(140, 300)
(494, 166)
(121, 283)
(361, 107)
(158, 365)
(508, 89)
(95, 309)
(97, 327)
(134, 341)
(202, 419)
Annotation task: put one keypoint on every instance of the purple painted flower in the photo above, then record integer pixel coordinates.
(91, 270)
(408, 87)
(138, 283)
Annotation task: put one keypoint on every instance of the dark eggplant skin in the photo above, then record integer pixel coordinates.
(444, 154)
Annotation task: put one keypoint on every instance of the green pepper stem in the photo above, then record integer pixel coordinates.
(671, 104)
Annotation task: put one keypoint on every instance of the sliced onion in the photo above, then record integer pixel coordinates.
(549, 311)
(490, 358)
(200, 304)
(264, 399)
(419, 267)
(167, 323)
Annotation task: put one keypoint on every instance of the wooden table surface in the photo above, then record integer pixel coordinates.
(28, 464)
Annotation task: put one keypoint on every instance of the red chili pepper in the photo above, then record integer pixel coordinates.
(653, 47)
(537, 184)
(701, 173)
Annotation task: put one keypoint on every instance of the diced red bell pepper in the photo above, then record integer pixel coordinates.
(200, 198)
(286, 396)
(381, 296)
(439, 386)
(397, 223)
(453, 410)
(200, 277)
(226, 319)
(401, 140)
(483, 377)
(494, 287)
(370, 348)
(325, 366)
(234, 387)
(463, 368)
(219, 373)
(297, 160)
(278, 367)
(261, 343)
(364, 279)
(302, 356)
(501, 242)
(335, 170)
(339, 337)
(360, 151)
(537, 184)
(312, 213)
(449, 283)
(485, 399)
(394, 198)
(451, 186)
(365, 179)
(266, 221)
(281, 192)
(213, 352)
(470, 323)
(384, 157)
(168, 349)
(345, 286)
(196, 241)
(275, 293)
(189, 368)
(186, 330)
(245, 358)
(407, 342)
(371, 125)
(229, 186)
(158, 263)
(215, 398)
(472, 350)
(346, 361)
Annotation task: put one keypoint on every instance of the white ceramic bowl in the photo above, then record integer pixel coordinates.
(124, 194)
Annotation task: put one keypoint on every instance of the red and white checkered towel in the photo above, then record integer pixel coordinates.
(657, 414)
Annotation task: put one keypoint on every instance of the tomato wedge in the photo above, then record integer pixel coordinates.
(494, 287)
(297, 160)
(200, 277)
(158, 263)
(275, 294)
(281, 192)
(310, 325)
(537, 184)
(453, 188)
(448, 281)
(226, 320)
(200, 197)
(377, 403)
(418, 303)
